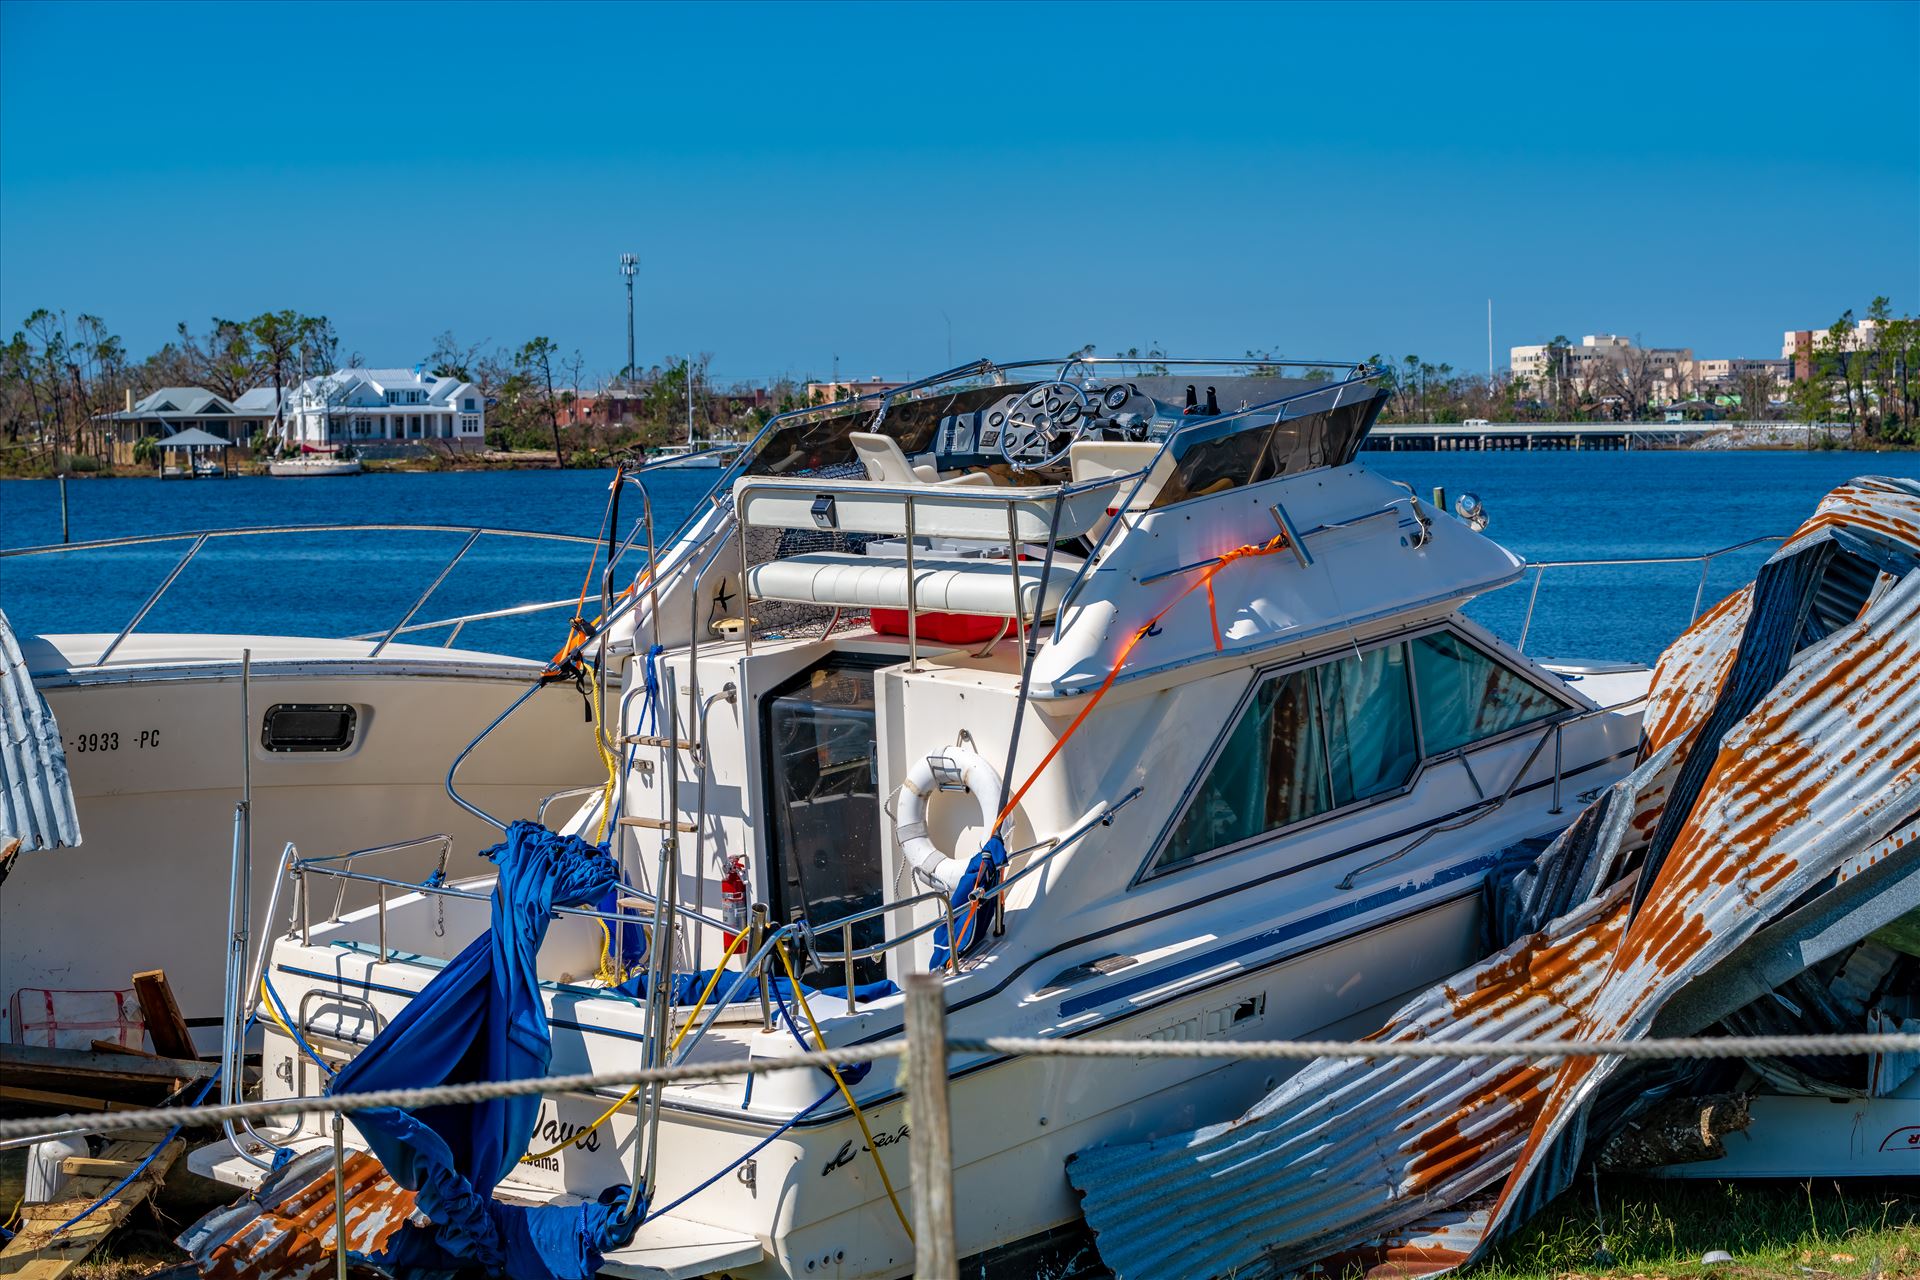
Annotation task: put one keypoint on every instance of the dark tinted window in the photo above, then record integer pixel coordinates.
(1369, 711)
(824, 806)
(1466, 696)
(1344, 732)
(1272, 772)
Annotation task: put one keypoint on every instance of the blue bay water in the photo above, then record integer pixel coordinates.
(1545, 506)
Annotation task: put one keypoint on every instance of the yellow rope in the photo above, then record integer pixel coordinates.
(801, 998)
(597, 702)
(609, 972)
(273, 1011)
(629, 1095)
(712, 982)
(606, 1115)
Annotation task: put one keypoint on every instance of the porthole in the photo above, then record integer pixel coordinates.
(308, 726)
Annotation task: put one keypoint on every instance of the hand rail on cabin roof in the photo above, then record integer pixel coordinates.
(1705, 560)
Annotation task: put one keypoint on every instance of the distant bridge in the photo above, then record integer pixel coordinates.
(1524, 436)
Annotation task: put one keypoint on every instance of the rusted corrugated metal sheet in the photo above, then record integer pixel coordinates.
(1691, 672)
(1413, 1163)
(36, 798)
(290, 1233)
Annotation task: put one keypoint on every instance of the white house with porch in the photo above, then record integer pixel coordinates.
(353, 406)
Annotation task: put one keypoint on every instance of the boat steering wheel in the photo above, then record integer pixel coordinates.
(1042, 423)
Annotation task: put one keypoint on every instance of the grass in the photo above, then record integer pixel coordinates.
(1805, 1230)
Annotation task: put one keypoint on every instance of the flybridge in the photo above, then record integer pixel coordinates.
(1231, 422)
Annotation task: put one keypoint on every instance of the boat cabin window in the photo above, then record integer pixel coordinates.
(824, 807)
(1465, 695)
(1345, 732)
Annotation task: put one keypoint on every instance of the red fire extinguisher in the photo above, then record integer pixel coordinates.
(733, 899)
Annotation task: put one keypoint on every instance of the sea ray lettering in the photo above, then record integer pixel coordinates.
(845, 1154)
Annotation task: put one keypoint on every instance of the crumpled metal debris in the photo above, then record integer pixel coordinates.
(1782, 747)
(286, 1230)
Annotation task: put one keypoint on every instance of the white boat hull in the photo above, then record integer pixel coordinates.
(347, 467)
(154, 744)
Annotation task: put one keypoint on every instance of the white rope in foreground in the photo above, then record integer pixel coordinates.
(1716, 1047)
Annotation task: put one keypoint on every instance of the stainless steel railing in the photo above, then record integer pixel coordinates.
(1553, 732)
(1705, 560)
(200, 538)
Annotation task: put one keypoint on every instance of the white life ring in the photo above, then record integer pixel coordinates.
(910, 813)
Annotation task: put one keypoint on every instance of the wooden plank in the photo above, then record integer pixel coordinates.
(21, 1063)
(165, 1025)
(658, 824)
(114, 1046)
(97, 1167)
(69, 1101)
(36, 1253)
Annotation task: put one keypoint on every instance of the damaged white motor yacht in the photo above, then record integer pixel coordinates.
(1120, 695)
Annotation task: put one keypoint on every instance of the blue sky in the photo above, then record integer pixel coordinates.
(804, 182)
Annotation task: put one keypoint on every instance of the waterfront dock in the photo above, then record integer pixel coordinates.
(1449, 437)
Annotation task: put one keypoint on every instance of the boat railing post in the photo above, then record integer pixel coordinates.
(740, 527)
(152, 600)
(306, 906)
(1699, 592)
(432, 587)
(756, 942)
(846, 950)
(1013, 562)
(1526, 624)
(953, 943)
(913, 599)
(660, 943)
(383, 925)
(1557, 732)
(930, 1154)
(339, 1197)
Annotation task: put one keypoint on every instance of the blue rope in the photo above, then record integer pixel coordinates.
(753, 1151)
(266, 984)
(649, 714)
(152, 1155)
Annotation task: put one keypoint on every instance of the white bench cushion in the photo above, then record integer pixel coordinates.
(947, 586)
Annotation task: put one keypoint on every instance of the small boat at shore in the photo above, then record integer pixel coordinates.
(317, 463)
(699, 455)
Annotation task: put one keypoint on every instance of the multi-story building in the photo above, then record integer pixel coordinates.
(1797, 345)
(1718, 374)
(1599, 362)
(352, 406)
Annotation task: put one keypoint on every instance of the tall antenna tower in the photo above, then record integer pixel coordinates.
(629, 265)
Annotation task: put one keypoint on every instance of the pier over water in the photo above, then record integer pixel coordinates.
(1448, 437)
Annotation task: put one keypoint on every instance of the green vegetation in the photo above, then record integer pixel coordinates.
(1861, 376)
(59, 374)
(1803, 1230)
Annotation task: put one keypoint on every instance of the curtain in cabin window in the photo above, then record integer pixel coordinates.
(1344, 732)
(1271, 772)
(1466, 696)
(1369, 714)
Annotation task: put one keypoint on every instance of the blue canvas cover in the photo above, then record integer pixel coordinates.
(482, 1018)
(973, 909)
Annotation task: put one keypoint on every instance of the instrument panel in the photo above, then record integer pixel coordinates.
(1032, 426)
